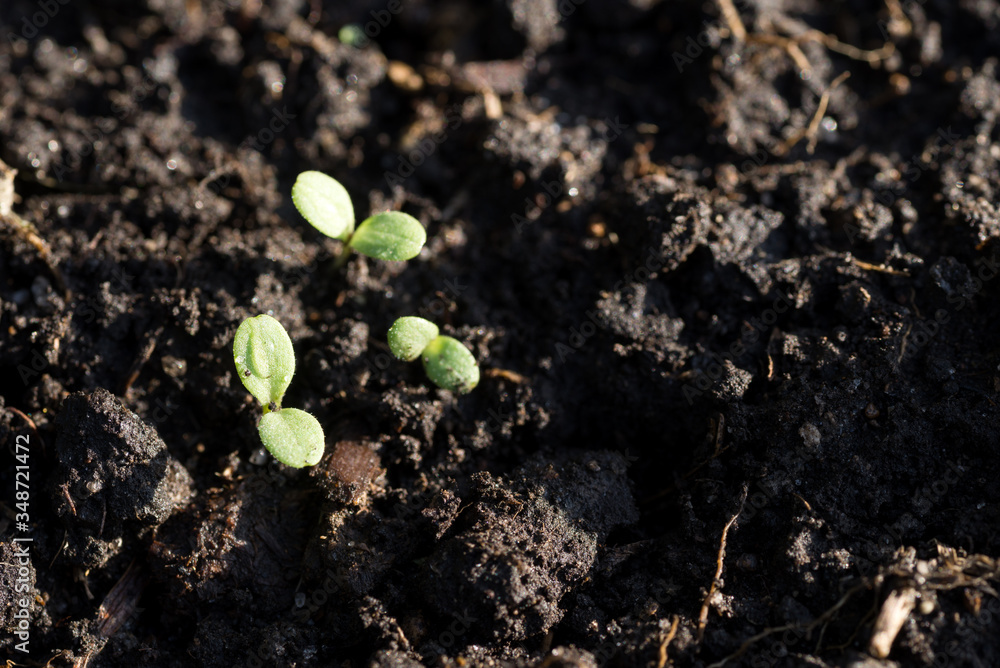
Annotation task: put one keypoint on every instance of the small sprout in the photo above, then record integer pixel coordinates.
(450, 365)
(409, 335)
(294, 437)
(392, 235)
(447, 362)
(352, 35)
(264, 358)
(325, 204)
(265, 363)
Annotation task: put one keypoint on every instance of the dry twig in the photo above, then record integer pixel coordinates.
(716, 581)
(662, 659)
(812, 130)
(25, 228)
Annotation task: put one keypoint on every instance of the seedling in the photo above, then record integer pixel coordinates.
(265, 363)
(447, 362)
(325, 204)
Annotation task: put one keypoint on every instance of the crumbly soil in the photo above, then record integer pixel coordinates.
(729, 278)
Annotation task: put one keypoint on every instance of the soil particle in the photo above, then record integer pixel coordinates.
(233, 546)
(522, 544)
(114, 477)
(538, 21)
(347, 473)
(565, 156)
(666, 223)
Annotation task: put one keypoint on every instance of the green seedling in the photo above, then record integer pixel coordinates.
(265, 363)
(447, 362)
(325, 204)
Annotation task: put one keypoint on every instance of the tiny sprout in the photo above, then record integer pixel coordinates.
(353, 35)
(325, 204)
(447, 362)
(265, 363)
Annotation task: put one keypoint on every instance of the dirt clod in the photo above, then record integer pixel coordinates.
(114, 478)
(521, 545)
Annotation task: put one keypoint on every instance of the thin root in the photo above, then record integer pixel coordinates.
(703, 615)
(25, 228)
(812, 130)
(733, 20)
(662, 659)
(808, 628)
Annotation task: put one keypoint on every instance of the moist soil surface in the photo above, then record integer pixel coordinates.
(728, 270)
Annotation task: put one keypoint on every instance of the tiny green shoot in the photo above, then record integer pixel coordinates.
(265, 363)
(409, 335)
(352, 35)
(325, 204)
(447, 362)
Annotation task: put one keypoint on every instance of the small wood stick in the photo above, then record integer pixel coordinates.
(733, 19)
(703, 615)
(895, 610)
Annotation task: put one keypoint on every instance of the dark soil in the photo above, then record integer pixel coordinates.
(735, 313)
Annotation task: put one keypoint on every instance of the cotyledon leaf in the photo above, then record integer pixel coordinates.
(264, 358)
(409, 335)
(294, 437)
(392, 235)
(324, 203)
(451, 365)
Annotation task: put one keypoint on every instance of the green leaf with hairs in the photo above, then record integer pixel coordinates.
(294, 437)
(325, 204)
(393, 235)
(264, 358)
(409, 335)
(451, 365)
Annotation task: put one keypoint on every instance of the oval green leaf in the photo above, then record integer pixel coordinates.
(409, 335)
(392, 235)
(294, 437)
(450, 365)
(324, 203)
(264, 358)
